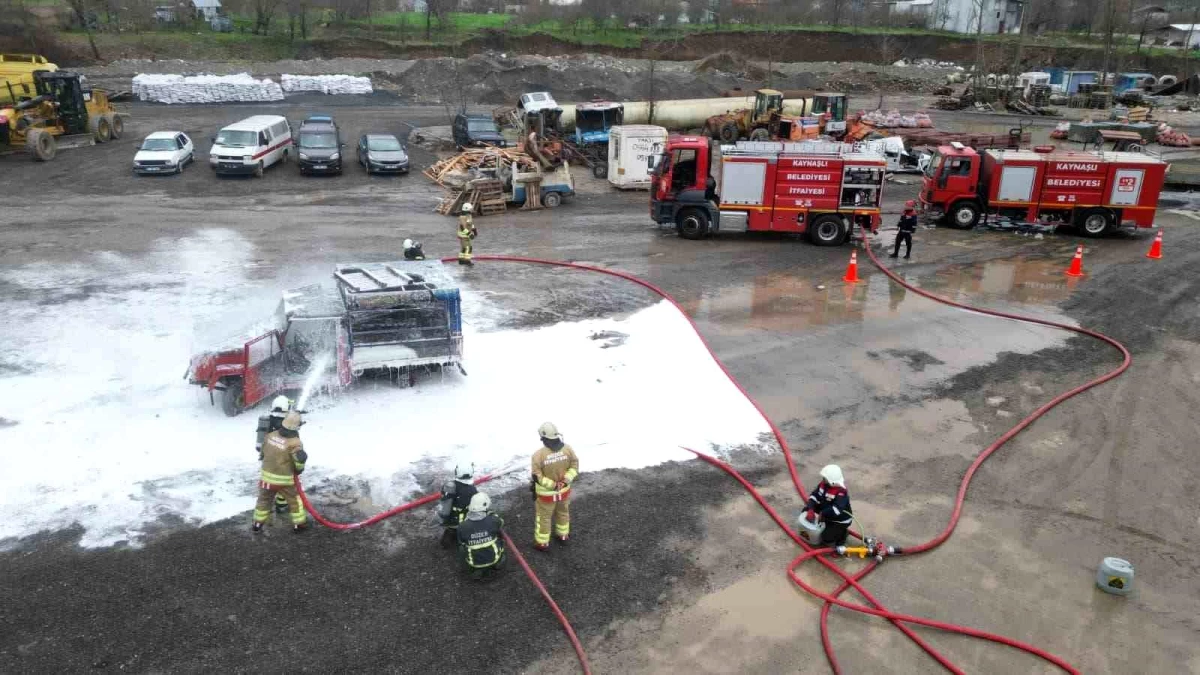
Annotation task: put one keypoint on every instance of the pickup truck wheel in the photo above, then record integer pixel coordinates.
(963, 215)
(827, 230)
(728, 133)
(1095, 222)
(692, 224)
(600, 170)
(551, 200)
(233, 400)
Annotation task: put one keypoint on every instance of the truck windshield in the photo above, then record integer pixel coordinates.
(935, 161)
(383, 144)
(482, 125)
(159, 144)
(237, 139)
(310, 140)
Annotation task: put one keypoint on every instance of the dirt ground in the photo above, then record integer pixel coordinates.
(672, 568)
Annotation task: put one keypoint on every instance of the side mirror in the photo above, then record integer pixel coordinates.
(213, 139)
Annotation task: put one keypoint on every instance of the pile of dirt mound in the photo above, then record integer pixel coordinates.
(734, 64)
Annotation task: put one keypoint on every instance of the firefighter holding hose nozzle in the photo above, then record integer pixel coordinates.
(466, 235)
(283, 457)
(273, 421)
(829, 503)
(555, 467)
(413, 250)
(454, 504)
(480, 548)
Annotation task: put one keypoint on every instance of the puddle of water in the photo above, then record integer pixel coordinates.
(1024, 281)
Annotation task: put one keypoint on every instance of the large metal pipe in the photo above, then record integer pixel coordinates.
(687, 113)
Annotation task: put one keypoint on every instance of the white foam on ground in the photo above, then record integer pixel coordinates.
(109, 436)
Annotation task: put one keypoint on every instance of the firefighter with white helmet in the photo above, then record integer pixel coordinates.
(272, 421)
(283, 458)
(829, 503)
(413, 250)
(466, 234)
(480, 546)
(555, 467)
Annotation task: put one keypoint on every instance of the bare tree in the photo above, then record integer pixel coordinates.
(264, 11)
(83, 12)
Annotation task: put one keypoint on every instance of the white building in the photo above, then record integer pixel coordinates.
(962, 16)
(1175, 34)
(207, 9)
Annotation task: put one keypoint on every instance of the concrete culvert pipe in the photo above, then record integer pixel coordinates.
(1167, 80)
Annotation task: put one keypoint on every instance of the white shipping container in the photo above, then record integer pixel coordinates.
(630, 148)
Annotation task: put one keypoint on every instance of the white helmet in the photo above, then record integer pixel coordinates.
(467, 207)
(408, 243)
(548, 430)
(281, 403)
(465, 475)
(832, 474)
(480, 503)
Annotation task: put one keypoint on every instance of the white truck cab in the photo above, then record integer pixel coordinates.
(251, 145)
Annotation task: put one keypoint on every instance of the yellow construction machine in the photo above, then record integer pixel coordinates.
(16, 75)
(60, 112)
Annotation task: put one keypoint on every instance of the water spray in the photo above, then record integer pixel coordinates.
(315, 371)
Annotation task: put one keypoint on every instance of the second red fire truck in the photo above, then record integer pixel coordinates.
(1094, 191)
(821, 189)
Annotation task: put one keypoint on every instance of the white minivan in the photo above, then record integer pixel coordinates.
(251, 145)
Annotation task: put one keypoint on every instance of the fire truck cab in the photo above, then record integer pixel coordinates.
(1094, 191)
(822, 189)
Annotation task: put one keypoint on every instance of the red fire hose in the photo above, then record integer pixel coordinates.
(849, 581)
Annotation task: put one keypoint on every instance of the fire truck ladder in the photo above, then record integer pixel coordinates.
(388, 306)
(833, 148)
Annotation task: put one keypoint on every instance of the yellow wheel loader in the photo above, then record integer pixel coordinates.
(61, 112)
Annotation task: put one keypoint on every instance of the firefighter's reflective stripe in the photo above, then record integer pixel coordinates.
(275, 478)
(553, 495)
(571, 474)
(261, 516)
(471, 549)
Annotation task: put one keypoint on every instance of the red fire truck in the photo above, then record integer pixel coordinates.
(1094, 191)
(819, 188)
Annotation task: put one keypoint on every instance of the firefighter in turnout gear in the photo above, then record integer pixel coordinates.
(283, 457)
(466, 234)
(830, 503)
(413, 250)
(454, 503)
(480, 547)
(555, 467)
(908, 225)
(266, 424)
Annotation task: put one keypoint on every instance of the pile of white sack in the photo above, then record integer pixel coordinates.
(327, 84)
(205, 88)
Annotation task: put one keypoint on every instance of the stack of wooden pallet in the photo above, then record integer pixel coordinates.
(459, 166)
(485, 195)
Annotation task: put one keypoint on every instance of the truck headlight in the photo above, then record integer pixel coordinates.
(335, 156)
(303, 156)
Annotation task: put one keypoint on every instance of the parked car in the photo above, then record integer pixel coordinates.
(163, 152)
(382, 153)
(251, 145)
(320, 145)
(473, 130)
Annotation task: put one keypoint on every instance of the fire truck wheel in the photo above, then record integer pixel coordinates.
(1095, 222)
(692, 224)
(827, 230)
(963, 215)
(760, 135)
(729, 133)
(234, 398)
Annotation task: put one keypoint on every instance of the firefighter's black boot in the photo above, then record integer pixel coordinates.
(256, 528)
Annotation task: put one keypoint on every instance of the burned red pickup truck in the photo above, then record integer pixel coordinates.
(395, 319)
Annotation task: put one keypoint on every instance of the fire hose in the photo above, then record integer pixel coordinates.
(849, 581)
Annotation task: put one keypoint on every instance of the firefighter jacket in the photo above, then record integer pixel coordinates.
(452, 506)
(414, 253)
(479, 540)
(466, 228)
(266, 424)
(554, 463)
(908, 223)
(283, 457)
(832, 502)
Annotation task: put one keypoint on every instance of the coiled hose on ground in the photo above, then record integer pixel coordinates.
(849, 581)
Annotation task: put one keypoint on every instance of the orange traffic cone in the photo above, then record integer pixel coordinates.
(1156, 247)
(1076, 268)
(852, 270)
